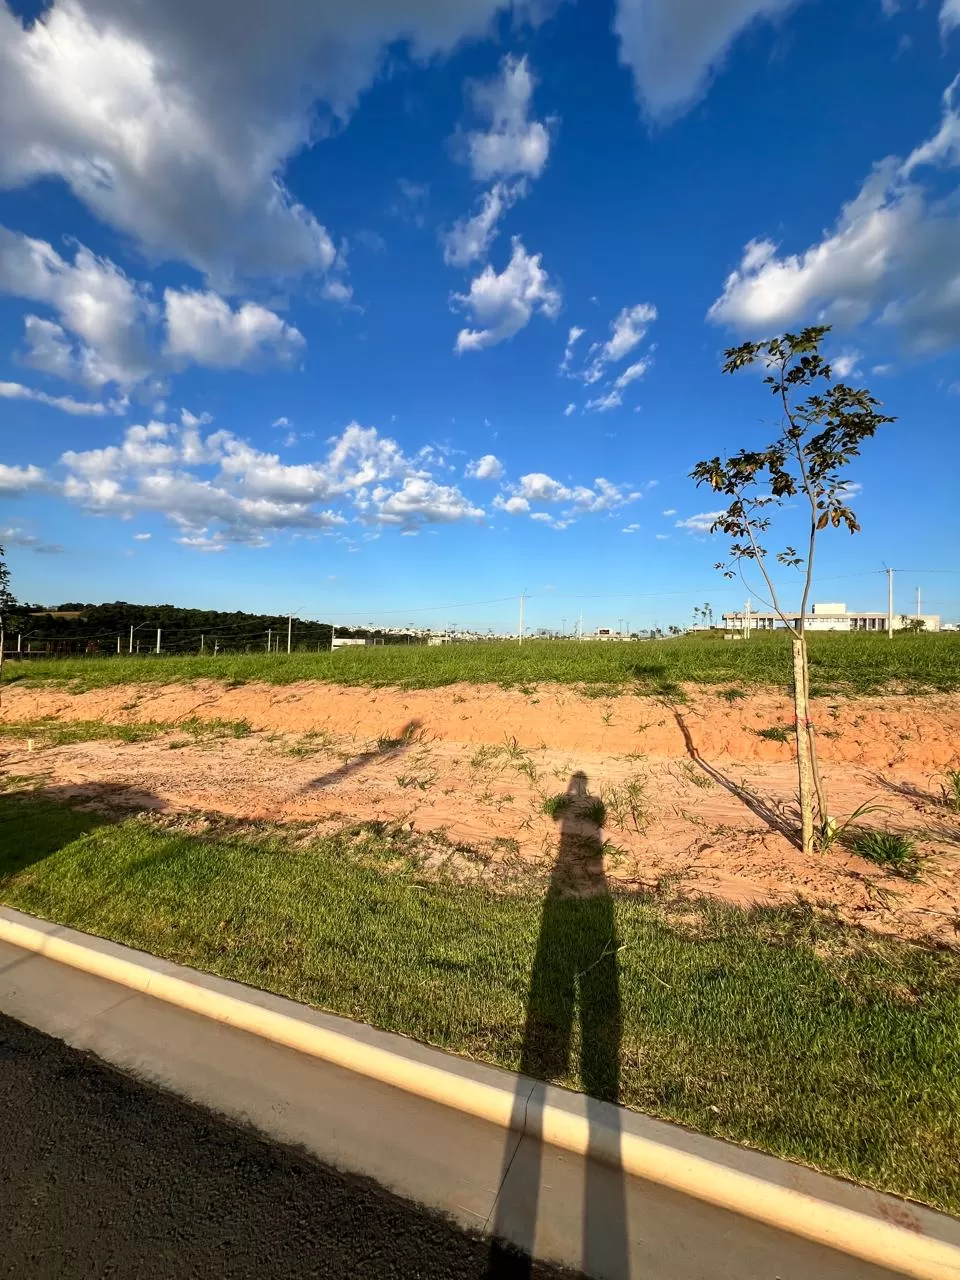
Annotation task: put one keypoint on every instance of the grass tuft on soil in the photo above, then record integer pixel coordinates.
(856, 663)
(51, 732)
(778, 1028)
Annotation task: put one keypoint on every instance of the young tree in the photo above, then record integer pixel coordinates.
(7, 604)
(822, 426)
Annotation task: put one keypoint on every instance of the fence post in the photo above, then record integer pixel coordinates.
(158, 639)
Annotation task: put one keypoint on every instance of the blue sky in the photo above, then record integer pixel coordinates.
(318, 308)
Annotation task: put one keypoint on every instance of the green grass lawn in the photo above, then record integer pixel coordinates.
(857, 663)
(775, 1028)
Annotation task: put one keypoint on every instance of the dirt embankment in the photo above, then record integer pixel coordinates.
(694, 796)
(880, 732)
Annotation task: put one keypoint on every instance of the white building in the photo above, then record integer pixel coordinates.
(830, 616)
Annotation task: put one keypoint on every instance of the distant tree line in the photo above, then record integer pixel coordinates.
(74, 627)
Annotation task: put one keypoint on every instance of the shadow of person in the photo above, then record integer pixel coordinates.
(574, 980)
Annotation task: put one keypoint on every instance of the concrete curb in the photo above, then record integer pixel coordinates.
(422, 1072)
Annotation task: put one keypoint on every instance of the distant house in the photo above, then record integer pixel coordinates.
(825, 617)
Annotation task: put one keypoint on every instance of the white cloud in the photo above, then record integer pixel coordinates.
(514, 144)
(505, 303)
(79, 408)
(574, 335)
(892, 258)
(142, 537)
(846, 364)
(539, 487)
(629, 328)
(17, 480)
(489, 467)
(21, 538)
(673, 46)
(218, 490)
(422, 501)
(109, 328)
(662, 537)
(631, 373)
(670, 511)
(280, 422)
(700, 523)
(631, 528)
(612, 399)
(514, 506)
(544, 517)
(949, 16)
(107, 312)
(571, 408)
(204, 329)
(174, 122)
(469, 239)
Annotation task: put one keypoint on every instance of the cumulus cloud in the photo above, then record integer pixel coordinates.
(670, 511)
(700, 523)
(893, 257)
(17, 480)
(513, 150)
(513, 144)
(203, 328)
(142, 537)
(504, 304)
(513, 505)
(673, 46)
(218, 490)
(489, 467)
(174, 122)
(949, 16)
(536, 487)
(110, 330)
(79, 408)
(631, 528)
(105, 311)
(420, 500)
(571, 408)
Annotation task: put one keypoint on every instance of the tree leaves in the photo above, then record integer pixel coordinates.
(820, 435)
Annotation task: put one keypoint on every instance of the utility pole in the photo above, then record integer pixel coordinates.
(130, 650)
(889, 604)
(521, 617)
(269, 639)
(333, 634)
(289, 632)
(20, 642)
(158, 639)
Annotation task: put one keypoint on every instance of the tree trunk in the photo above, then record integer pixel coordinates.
(822, 810)
(804, 763)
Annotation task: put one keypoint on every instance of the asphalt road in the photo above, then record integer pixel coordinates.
(103, 1176)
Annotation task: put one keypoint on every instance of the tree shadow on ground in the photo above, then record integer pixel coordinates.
(411, 733)
(574, 988)
(36, 822)
(775, 818)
